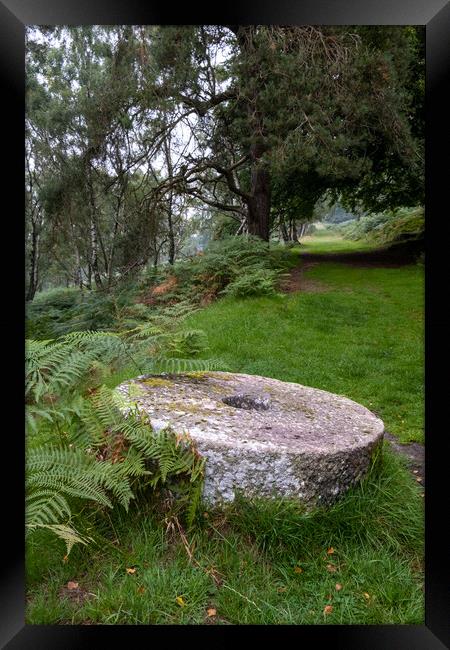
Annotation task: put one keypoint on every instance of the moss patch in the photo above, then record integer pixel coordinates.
(157, 381)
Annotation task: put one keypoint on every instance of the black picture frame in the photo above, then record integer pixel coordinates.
(435, 16)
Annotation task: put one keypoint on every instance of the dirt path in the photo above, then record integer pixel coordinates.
(392, 257)
(384, 258)
(297, 281)
(414, 453)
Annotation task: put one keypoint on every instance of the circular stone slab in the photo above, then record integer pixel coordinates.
(262, 436)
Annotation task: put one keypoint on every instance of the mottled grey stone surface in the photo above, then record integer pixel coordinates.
(278, 439)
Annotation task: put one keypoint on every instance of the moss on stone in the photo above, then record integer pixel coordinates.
(188, 408)
(196, 374)
(157, 381)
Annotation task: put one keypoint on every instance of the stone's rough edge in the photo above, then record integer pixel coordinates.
(314, 480)
(262, 470)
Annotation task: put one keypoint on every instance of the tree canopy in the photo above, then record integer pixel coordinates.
(133, 130)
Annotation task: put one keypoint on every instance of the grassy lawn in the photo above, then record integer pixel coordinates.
(359, 562)
(362, 338)
(263, 563)
(323, 241)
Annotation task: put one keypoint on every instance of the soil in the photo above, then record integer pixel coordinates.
(296, 281)
(393, 257)
(414, 454)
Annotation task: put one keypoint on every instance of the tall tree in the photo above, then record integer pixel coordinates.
(128, 126)
(329, 102)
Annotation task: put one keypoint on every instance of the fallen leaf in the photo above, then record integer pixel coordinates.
(418, 479)
(211, 611)
(338, 586)
(281, 589)
(366, 595)
(298, 569)
(131, 570)
(141, 590)
(328, 609)
(72, 585)
(330, 551)
(180, 601)
(331, 568)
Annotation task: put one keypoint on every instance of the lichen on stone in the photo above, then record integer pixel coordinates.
(157, 381)
(305, 443)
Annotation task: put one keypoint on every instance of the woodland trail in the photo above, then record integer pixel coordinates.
(395, 257)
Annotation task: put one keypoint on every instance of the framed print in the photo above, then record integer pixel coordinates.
(224, 220)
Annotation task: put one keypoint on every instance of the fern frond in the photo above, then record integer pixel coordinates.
(87, 336)
(176, 366)
(146, 330)
(69, 535)
(44, 507)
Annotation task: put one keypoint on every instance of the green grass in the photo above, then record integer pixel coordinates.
(267, 562)
(253, 550)
(324, 241)
(362, 338)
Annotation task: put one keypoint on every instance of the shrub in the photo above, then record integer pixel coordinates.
(61, 311)
(86, 442)
(409, 224)
(387, 227)
(258, 282)
(224, 263)
(355, 230)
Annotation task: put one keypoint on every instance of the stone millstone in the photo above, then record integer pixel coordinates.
(264, 437)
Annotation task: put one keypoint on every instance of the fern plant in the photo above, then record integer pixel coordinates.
(85, 442)
(112, 450)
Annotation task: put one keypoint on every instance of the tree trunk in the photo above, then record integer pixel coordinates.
(171, 234)
(89, 276)
(284, 233)
(243, 229)
(78, 272)
(94, 256)
(303, 229)
(34, 262)
(110, 267)
(259, 201)
(93, 232)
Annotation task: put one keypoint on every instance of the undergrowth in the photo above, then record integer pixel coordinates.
(386, 227)
(87, 442)
(253, 562)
